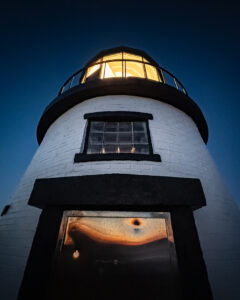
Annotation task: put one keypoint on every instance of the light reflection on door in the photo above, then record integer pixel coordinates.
(115, 255)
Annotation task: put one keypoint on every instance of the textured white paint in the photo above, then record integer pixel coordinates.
(176, 138)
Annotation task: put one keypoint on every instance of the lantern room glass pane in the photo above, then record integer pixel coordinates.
(92, 70)
(151, 73)
(115, 56)
(113, 69)
(134, 69)
(131, 56)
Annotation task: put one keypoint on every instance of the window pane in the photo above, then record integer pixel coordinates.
(110, 148)
(141, 149)
(126, 148)
(125, 138)
(113, 56)
(139, 126)
(140, 137)
(131, 56)
(151, 73)
(97, 126)
(125, 126)
(95, 138)
(111, 126)
(118, 137)
(134, 69)
(113, 69)
(94, 149)
(92, 70)
(110, 138)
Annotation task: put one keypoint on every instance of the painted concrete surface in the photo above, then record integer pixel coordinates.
(176, 138)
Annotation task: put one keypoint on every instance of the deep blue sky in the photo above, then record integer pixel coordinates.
(42, 44)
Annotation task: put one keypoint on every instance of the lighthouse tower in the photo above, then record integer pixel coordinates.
(122, 199)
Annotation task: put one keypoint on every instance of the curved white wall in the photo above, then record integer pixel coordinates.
(176, 138)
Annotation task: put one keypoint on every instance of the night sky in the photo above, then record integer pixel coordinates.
(43, 43)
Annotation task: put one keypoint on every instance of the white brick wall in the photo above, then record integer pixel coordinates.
(176, 138)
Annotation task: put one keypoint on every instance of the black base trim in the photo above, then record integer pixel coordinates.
(5, 210)
(193, 273)
(82, 157)
(117, 192)
(39, 266)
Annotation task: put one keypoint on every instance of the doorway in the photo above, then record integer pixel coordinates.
(115, 255)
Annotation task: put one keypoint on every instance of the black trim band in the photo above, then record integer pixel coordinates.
(118, 116)
(121, 86)
(82, 157)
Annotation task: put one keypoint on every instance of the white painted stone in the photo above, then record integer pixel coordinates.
(176, 138)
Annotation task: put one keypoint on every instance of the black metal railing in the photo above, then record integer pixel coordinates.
(163, 76)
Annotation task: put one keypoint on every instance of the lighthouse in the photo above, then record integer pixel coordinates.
(121, 199)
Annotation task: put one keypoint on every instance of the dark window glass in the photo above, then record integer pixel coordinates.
(127, 148)
(110, 148)
(118, 137)
(125, 126)
(94, 149)
(140, 137)
(96, 138)
(125, 137)
(97, 126)
(142, 149)
(111, 126)
(110, 138)
(139, 126)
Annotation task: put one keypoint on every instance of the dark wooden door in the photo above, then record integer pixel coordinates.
(115, 256)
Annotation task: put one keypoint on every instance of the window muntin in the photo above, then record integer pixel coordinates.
(118, 137)
(121, 65)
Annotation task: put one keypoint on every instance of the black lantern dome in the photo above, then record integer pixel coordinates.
(124, 63)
